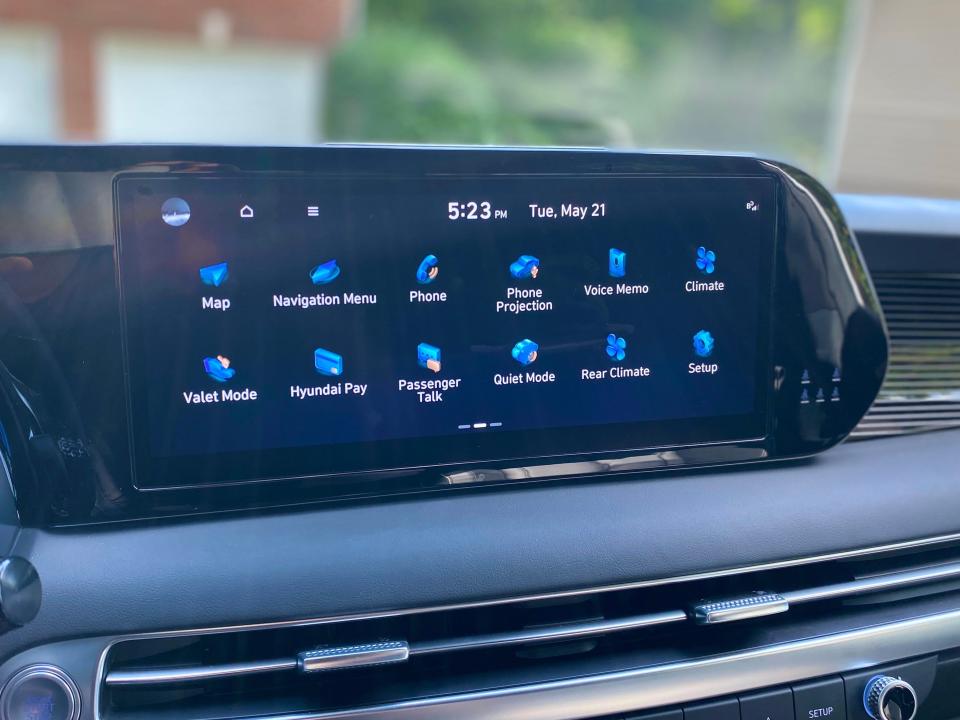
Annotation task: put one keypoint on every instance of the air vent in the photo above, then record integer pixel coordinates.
(922, 388)
(324, 669)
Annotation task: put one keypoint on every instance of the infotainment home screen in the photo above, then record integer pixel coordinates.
(282, 326)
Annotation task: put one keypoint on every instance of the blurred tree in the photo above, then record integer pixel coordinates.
(752, 75)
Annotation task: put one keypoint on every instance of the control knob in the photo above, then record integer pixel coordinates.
(889, 698)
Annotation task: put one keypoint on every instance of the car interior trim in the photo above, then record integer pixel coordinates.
(906, 545)
(673, 683)
(731, 610)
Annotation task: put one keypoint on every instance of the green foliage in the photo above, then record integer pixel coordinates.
(753, 75)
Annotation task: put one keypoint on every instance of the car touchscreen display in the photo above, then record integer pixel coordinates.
(289, 325)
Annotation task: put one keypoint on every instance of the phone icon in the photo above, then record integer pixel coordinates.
(428, 270)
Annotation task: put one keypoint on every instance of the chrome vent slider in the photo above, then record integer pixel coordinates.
(353, 656)
(755, 605)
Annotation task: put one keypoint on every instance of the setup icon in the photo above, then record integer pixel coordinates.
(703, 343)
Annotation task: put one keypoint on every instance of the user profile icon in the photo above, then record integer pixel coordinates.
(175, 211)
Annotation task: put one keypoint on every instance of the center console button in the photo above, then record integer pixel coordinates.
(717, 710)
(770, 705)
(822, 700)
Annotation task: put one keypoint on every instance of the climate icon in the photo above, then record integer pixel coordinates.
(706, 260)
(616, 348)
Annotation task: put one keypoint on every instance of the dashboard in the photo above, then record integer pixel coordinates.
(254, 327)
(374, 432)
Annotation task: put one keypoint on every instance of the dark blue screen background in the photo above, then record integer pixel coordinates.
(379, 230)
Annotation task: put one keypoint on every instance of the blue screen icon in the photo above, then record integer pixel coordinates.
(525, 266)
(703, 343)
(215, 275)
(616, 348)
(706, 260)
(428, 356)
(325, 272)
(617, 263)
(327, 362)
(428, 270)
(525, 351)
(218, 368)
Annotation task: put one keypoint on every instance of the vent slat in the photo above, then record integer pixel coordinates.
(922, 389)
(119, 676)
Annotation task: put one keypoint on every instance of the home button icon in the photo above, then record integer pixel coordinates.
(246, 211)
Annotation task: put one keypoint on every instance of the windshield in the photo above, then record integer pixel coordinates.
(789, 80)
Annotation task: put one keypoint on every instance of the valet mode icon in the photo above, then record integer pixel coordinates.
(218, 368)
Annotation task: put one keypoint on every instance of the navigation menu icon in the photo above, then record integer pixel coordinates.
(325, 272)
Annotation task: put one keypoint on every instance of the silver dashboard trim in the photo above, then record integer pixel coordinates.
(675, 683)
(708, 613)
(159, 676)
(548, 633)
(878, 583)
(906, 545)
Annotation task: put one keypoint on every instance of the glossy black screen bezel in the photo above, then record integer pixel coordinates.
(435, 455)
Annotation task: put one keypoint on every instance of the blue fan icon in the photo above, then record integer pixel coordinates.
(706, 260)
(616, 348)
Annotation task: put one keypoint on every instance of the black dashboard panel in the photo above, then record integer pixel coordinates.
(421, 552)
(74, 379)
